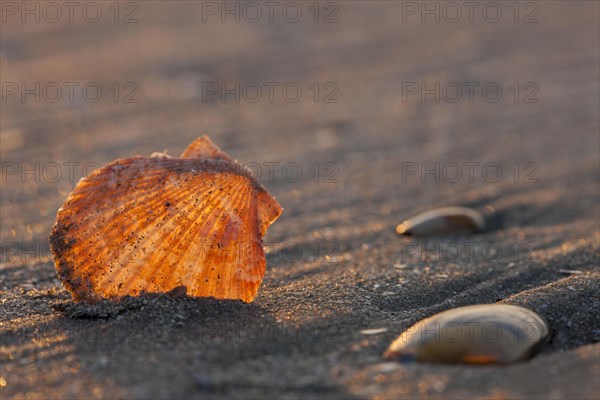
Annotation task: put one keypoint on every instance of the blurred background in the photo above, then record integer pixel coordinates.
(364, 85)
(354, 114)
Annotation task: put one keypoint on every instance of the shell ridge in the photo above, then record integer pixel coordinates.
(119, 236)
(159, 263)
(208, 222)
(268, 210)
(223, 259)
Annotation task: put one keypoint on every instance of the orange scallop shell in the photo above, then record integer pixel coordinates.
(152, 224)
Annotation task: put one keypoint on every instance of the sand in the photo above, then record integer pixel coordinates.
(346, 173)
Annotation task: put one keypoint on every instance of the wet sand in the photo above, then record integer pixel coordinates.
(348, 160)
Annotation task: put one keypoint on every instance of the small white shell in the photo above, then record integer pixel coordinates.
(479, 334)
(443, 221)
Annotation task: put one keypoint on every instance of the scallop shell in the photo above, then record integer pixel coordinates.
(479, 334)
(443, 221)
(153, 224)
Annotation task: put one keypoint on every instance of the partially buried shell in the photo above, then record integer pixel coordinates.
(154, 224)
(441, 221)
(480, 334)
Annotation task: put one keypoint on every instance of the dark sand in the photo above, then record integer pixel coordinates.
(335, 265)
